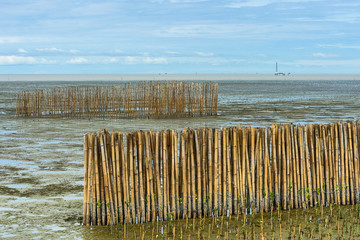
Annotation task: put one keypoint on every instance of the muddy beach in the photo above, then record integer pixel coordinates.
(41, 159)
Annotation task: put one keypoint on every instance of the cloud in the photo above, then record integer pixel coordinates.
(262, 3)
(10, 40)
(145, 60)
(251, 31)
(324, 55)
(111, 60)
(342, 46)
(156, 60)
(328, 63)
(78, 60)
(203, 54)
(21, 50)
(52, 49)
(172, 52)
(16, 60)
(187, 1)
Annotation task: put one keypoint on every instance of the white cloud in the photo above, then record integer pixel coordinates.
(261, 3)
(145, 60)
(73, 51)
(52, 49)
(156, 60)
(172, 52)
(187, 1)
(203, 54)
(111, 60)
(339, 46)
(328, 63)
(324, 55)
(21, 50)
(14, 60)
(10, 40)
(78, 60)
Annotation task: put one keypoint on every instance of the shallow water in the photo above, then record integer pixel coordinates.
(41, 161)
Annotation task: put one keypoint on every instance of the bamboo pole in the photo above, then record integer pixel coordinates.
(184, 175)
(216, 172)
(198, 174)
(87, 179)
(211, 171)
(119, 182)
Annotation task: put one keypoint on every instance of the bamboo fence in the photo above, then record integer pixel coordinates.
(154, 176)
(158, 99)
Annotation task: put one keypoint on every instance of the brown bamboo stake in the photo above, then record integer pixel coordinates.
(173, 176)
(165, 174)
(101, 211)
(326, 165)
(331, 162)
(267, 173)
(86, 213)
(216, 173)
(159, 192)
(321, 163)
(94, 180)
(351, 163)
(141, 213)
(177, 175)
(137, 180)
(150, 183)
(236, 170)
(229, 195)
(211, 170)
(275, 143)
(193, 175)
(119, 166)
(125, 178)
(346, 158)
(302, 165)
(86, 201)
(251, 187)
(184, 175)
(114, 179)
(356, 161)
(284, 168)
(107, 182)
(309, 164)
(337, 163)
(205, 172)
(252, 146)
(198, 174)
(243, 167)
(294, 167)
(189, 175)
(132, 177)
(342, 163)
(313, 163)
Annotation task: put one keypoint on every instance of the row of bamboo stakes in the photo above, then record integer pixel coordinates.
(144, 99)
(148, 176)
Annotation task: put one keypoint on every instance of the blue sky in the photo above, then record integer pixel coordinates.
(179, 36)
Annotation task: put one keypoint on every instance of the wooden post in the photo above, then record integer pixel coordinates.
(184, 175)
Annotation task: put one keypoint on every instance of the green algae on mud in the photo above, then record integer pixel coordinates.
(333, 222)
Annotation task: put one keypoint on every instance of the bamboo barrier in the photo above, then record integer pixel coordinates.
(149, 176)
(158, 99)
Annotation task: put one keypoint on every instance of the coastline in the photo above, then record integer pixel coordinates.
(186, 77)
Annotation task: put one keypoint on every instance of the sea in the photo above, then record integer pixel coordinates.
(41, 159)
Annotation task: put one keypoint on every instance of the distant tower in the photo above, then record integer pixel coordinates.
(276, 69)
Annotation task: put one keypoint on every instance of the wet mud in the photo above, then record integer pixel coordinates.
(41, 159)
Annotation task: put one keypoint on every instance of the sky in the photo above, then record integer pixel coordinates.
(179, 36)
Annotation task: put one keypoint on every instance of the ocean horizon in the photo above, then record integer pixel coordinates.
(182, 76)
